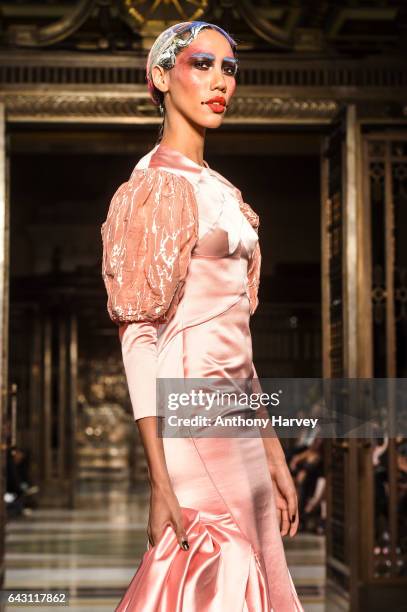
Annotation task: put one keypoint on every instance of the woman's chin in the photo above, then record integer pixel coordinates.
(207, 122)
(213, 122)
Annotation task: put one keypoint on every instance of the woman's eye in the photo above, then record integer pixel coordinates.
(202, 64)
(230, 70)
(206, 65)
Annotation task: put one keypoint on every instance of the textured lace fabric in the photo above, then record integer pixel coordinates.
(148, 237)
(152, 226)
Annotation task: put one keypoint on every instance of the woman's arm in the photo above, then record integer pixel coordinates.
(139, 351)
(286, 495)
(164, 507)
(148, 237)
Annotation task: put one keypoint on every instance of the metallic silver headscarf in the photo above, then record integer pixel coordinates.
(169, 43)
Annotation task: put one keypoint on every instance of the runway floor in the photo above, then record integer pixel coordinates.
(92, 551)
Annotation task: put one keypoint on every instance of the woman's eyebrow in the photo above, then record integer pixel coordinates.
(209, 56)
(212, 57)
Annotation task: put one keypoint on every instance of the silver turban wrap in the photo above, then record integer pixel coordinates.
(169, 43)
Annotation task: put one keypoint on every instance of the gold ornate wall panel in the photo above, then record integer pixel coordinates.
(84, 60)
(322, 27)
(85, 107)
(255, 70)
(48, 86)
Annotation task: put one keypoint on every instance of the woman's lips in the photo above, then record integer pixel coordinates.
(217, 105)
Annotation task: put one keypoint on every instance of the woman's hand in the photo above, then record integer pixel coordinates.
(286, 498)
(165, 510)
(164, 507)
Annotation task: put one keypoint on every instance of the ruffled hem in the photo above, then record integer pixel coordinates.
(220, 571)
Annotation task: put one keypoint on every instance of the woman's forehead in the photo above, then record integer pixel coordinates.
(210, 42)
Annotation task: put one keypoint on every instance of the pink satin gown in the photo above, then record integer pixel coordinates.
(236, 560)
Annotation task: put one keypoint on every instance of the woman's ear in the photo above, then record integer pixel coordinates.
(159, 77)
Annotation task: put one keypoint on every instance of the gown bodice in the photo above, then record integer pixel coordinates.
(222, 225)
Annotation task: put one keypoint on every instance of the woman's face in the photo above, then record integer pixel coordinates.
(202, 82)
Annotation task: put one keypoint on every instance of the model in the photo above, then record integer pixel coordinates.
(181, 265)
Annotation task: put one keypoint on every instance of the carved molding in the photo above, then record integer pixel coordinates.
(88, 107)
(77, 106)
(367, 27)
(35, 36)
(157, 15)
(265, 107)
(258, 20)
(39, 68)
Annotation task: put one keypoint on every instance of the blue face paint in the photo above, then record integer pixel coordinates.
(228, 63)
(208, 56)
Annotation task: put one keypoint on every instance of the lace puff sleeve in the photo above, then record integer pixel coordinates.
(148, 236)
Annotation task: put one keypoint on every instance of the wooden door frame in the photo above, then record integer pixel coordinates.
(386, 136)
(4, 318)
(358, 339)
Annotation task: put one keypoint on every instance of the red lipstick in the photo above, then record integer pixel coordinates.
(217, 104)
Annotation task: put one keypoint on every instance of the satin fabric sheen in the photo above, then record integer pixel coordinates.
(236, 559)
(152, 226)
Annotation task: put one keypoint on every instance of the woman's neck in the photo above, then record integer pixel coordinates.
(186, 139)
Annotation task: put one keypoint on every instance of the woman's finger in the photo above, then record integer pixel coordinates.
(294, 524)
(293, 513)
(292, 506)
(150, 538)
(157, 533)
(285, 523)
(181, 533)
(279, 518)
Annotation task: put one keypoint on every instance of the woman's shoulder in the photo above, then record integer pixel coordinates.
(144, 162)
(155, 166)
(154, 188)
(151, 223)
(151, 178)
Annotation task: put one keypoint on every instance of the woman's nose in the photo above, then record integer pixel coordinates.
(218, 80)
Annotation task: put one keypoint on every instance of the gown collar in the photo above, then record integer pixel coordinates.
(231, 217)
(165, 157)
(164, 151)
(170, 160)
